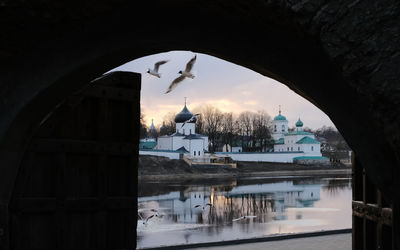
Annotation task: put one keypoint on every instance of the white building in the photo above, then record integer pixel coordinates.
(294, 141)
(185, 138)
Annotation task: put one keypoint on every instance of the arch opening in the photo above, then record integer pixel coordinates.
(303, 53)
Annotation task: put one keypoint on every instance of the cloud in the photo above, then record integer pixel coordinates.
(227, 86)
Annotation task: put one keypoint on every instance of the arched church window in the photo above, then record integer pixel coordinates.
(283, 128)
(275, 128)
(312, 148)
(298, 148)
(194, 153)
(199, 153)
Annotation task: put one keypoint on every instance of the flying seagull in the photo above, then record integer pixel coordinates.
(183, 75)
(245, 217)
(148, 218)
(204, 207)
(191, 119)
(154, 71)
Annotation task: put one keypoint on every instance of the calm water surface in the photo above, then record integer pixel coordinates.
(276, 206)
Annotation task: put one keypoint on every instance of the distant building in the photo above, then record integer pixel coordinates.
(297, 146)
(147, 143)
(185, 138)
(236, 147)
(294, 141)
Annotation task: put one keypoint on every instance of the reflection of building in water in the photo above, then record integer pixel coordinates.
(284, 194)
(181, 204)
(250, 199)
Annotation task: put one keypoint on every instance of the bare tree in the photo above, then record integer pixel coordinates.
(261, 131)
(200, 120)
(228, 128)
(143, 126)
(212, 118)
(246, 129)
(169, 122)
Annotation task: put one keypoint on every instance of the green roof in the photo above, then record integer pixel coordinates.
(299, 123)
(307, 140)
(280, 141)
(310, 158)
(299, 133)
(279, 118)
(147, 145)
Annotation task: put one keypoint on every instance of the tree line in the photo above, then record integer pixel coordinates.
(250, 130)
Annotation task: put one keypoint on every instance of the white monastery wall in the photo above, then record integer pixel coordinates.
(264, 157)
(170, 155)
(164, 143)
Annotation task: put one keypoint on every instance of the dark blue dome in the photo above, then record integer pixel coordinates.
(184, 115)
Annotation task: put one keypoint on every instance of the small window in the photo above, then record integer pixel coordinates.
(194, 153)
(312, 148)
(288, 149)
(199, 153)
(291, 149)
(298, 148)
(275, 128)
(312, 194)
(190, 131)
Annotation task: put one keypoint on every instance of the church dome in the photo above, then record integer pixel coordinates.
(279, 118)
(184, 115)
(163, 126)
(299, 123)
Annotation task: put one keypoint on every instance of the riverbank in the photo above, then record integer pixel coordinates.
(162, 168)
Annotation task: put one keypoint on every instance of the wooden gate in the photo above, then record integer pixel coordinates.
(76, 187)
(372, 215)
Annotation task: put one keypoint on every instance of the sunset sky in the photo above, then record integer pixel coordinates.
(227, 86)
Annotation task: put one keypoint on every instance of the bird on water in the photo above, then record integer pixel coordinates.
(245, 217)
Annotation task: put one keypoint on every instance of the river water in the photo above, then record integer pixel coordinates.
(278, 205)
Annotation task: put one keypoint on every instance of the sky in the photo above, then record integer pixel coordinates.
(224, 85)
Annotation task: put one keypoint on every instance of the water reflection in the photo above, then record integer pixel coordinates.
(277, 205)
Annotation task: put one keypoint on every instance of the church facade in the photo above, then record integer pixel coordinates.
(293, 141)
(185, 139)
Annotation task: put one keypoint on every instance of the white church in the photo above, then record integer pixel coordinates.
(185, 139)
(294, 141)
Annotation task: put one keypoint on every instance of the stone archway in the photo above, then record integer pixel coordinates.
(341, 56)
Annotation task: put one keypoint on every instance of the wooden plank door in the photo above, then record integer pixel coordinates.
(372, 215)
(76, 187)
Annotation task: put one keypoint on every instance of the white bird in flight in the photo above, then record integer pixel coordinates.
(245, 217)
(183, 75)
(154, 71)
(191, 119)
(204, 207)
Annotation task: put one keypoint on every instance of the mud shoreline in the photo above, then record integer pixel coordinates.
(162, 169)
